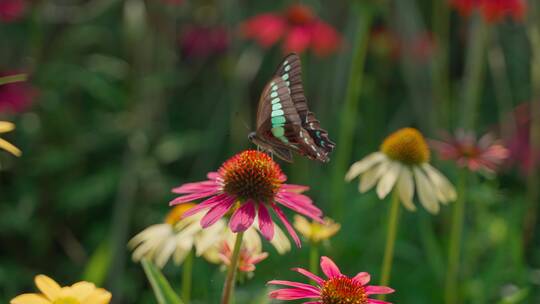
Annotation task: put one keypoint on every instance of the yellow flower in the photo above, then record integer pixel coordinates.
(175, 237)
(4, 144)
(314, 231)
(403, 163)
(52, 293)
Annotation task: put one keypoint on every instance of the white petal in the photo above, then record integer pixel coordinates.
(388, 180)
(425, 191)
(443, 188)
(280, 241)
(405, 186)
(366, 163)
(370, 177)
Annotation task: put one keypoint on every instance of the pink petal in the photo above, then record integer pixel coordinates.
(362, 278)
(378, 290)
(298, 285)
(191, 197)
(217, 212)
(325, 39)
(310, 275)
(294, 188)
(292, 294)
(243, 218)
(213, 175)
(196, 187)
(297, 40)
(329, 268)
(287, 225)
(266, 225)
(209, 203)
(266, 29)
(301, 204)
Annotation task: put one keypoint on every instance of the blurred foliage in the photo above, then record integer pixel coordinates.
(122, 116)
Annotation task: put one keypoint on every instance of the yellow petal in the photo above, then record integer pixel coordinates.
(81, 290)
(405, 186)
(47, 286)
(4, 144)
(98, 296)
(302, 225)
(6, 126)
(29, 298)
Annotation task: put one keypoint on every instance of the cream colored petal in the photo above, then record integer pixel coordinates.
(180, 254)
(151, 232)
(405, 187)
(4, 144)
(147, 248)
(388, 180)
(363, 165)
(6, 126)
(165, 252)
(208, 237)
(99, 296)
(280, 241)
(425, 191)
(302, 225)
(81, 290)
(251, 241)
(47, 286)
(29, 298)
(371, 176)
(443, 188)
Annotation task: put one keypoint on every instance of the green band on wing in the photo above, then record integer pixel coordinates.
(274, 94)
(277, 113)
(275, 100)
(278, 120)
(276, 106)
(279, 132)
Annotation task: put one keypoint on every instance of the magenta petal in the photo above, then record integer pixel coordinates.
(298, 285)
(294, 188)
(196, 187)
(213, 175)
(191, 197)
(287, 225)
(243, 218)
(310, 275)
(209, 203)
(362, 278)
(266, 225)
(329, 268)
(292, 294)
(378, 290)
(308, 210)
(217, 212)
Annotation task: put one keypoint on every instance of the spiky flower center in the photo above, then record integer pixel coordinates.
(406, 145)
(252, 175)
(66, 300)
(299, 14)
(176, 213)
(343, 290)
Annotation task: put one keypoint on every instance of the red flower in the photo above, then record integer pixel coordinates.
(519, 143)
(465, 7)
(12, 10)
(16, 97)
(204, 42)
(492, 10)
(299, 28)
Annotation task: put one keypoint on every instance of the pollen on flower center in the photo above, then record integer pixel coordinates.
(176, 213)
(252, 175)
(66, 300)
(343, 290)
(406, 145)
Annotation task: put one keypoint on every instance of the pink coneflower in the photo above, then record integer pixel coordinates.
(247, 260)
(248, 184)
(12, 10)
(16, 97)
(492, 11)
(486, 154)
(336, 289)
(299, 28)
(519, 142)
(203, 41)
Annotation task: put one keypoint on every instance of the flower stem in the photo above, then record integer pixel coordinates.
(228, 288)
(393, 218)
(314, 258)
(187, 270)
(13, 78)
(441, 74)
(451, 294)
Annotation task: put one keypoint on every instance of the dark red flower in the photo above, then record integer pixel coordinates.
(298, 27)
(16, 97)
(204, 42)
(492, 10)
(12, 10)
(465, 7)
(519, 143)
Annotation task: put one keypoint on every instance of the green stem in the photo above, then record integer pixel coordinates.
(474, 72)
(393, 218)
(228, 287)
(187, 270)
(451, 294)
(314, 258)
(348, 117)
(441, 74)
(13, 78)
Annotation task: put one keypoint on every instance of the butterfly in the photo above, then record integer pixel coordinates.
(284, 122)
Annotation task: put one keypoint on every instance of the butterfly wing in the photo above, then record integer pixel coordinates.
(290, 70)
(279, 127)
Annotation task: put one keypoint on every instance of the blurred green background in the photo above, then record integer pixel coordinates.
(121, 108)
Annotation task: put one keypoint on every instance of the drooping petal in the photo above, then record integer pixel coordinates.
(330, 268)
(243, 218)
(363, 165)
(371, 176)
(47, 286)
(297, 204)
(196, 187)
(266, 225)
(4, 144)
(292, 294)
(217, 212)
(209, 203)
(425, 192)
(294, 188)
(191, 197)
(373, 289)
(310, 275)
(388, 180)
(406, 189)
(303, 286)
(287, 225)
(362, 278)
(443, 188)
(6, 126)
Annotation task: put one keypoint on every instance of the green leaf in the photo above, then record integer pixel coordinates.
(162, 289)
(98, 265)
